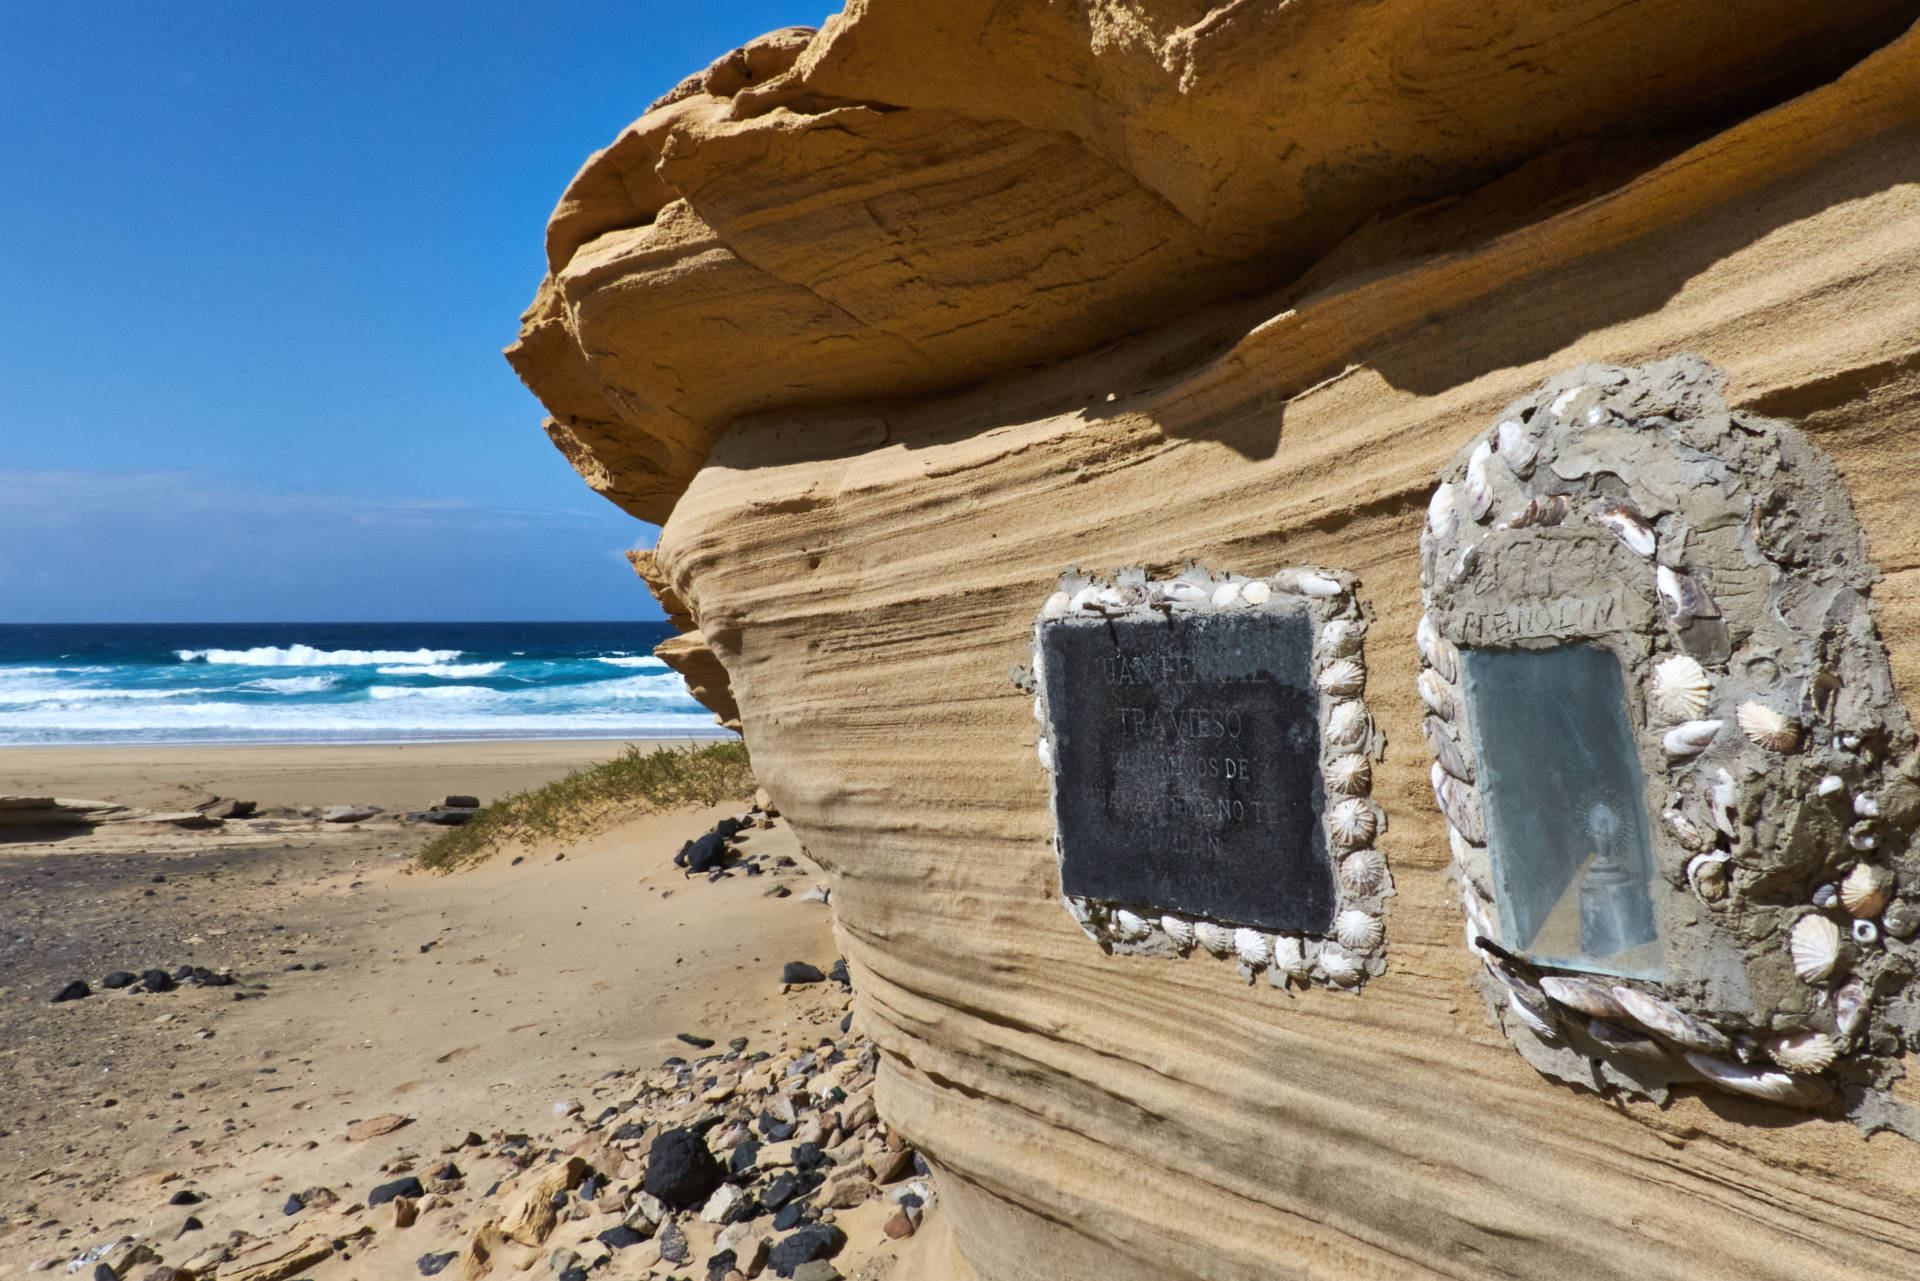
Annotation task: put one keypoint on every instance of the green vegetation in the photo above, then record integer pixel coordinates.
(633, 783)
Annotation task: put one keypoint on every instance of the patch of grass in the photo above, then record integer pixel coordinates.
(635, 782)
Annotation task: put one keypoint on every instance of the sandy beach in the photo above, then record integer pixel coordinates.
(468, 1003)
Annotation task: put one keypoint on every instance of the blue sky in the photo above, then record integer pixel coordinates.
(259, 260)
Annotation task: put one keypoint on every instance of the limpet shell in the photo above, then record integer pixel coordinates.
(1340, 966)
(1436, 649)
(1814, 945)
(1352, 822)
(1342, 637)
(1131, 926)
(1776, 1087)
(1217, 939)
(1679, 688)
(1253, 947)
(1346, 724)
(1866, 889)
(1057, 606)
(1479, 484)
(1179, 929)
(1771, 729)
(1363, 871)
(1436, 694)
(1256, 593)
(1689, 738)
(1803, 1051)
(1344, 677)
(1226, 594)
(1358, 930)
(1350, 775)
(1674, 1025)
(1584, 995)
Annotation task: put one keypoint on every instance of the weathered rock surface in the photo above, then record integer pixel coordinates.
(972, 293)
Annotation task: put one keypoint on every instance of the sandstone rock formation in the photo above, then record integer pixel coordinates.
(891, 324)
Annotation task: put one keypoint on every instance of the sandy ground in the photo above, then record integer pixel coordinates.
(468, 1002)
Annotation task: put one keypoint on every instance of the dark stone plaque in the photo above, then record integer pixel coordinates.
(1187, 765)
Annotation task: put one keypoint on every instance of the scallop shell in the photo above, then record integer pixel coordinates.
(1803, 1051)
(1340, 966)
(1814, 945)
(1253, 947)
(1290, 956)
(1225, 595)
(1625, 520)
(1615, 1039)
(1436, 694)
(1446, 749)
(1344, 677)
(1057, 606)
(1352, 822)
(1342, 637)
(1443, 515)
(1217, 939)
(1674, 1025)
(1584, 995)
(1771, 729)
(1689, 738)
(1436, 649)
(1350, 775)
(1775, 1087)
(1459, 803)
(1256, 593)
(1179, 929)
(1479, 484)
(1866, 890)
(1679, 688)
(1357, 930)
(1131, 926)
(1518, 448)
(1363, 871)
(1346, 725)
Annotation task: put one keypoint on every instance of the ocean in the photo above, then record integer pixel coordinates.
(338, 683)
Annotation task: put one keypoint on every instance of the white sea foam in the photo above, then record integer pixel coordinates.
(308, 656)
(450, 671)
(291, 684)
(475, 693)
(634, 660)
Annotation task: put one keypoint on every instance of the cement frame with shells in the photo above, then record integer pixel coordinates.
(1779, 760)
(1355, 948)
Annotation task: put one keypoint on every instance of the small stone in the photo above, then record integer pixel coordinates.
(797, 972)
(697, 1042)
(738, 1043)
(778, 891)
(456, 802)
(680, 1169)
(817, 1270)
(619, 1237)
(375, 1126)
(74, 991)
(405, 1211)
(888, 1167)
(119, 979)
(189, 1224)
(744, 1159)
(719, 1264)
(157, 981)
(899, 1227)
(348, 813)
(790, 1215)
(673, 1243)
(407, 1187)
(568, 1107)
(815, 1241)
(723, 1205)
(779, 1192)
(186, 1196)
(433, 1264)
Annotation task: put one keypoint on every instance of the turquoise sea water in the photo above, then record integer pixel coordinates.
(338, 683)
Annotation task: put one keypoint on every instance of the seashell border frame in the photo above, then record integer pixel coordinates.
(1347, 729)
(1797, 773)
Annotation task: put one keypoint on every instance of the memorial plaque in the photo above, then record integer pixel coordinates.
(1187, 765)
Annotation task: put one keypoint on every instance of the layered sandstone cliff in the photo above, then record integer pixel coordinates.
(891, 323)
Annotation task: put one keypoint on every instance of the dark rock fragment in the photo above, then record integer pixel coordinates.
(801, 972)
(407, 1187)
(186, 1196)
(157, 981)
(119, 979)
(434, 1264)
(815, 1241)
(74, 991)
(740, 1163)
(673, 1243)
(680, 1169)
(619, 1237)
(697, 1042)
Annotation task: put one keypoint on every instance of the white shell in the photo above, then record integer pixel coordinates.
(1479, 484)
(1725, 804)
(1131, 926)
(1446, 749)
(1866, 890)
(1849, 1008)
(1814, 945)
(1363, 871)
(1180, 591)
(1629, 524)
(1340, 966)
(1437, 650)
(1226, 594)
(1666, 1021)
(1253, 947)
(1866, 807)
(1077, 909)
(1357, 930)
(1479, 921)
(1689, 738)
(1122, 597)
(1679, 688)
(1692, 836)
(1217, 939)
(1707, 874)
(1044, 750)
(1307, 582)
(1771, 729)
(1443, 518)
(1179, 929)
(1346, 724)
(1803, 1051)
(1352, 823)
(1866, 933)
(1584, 995)
(1342, 637)
(1350, 775)
(1056, 606)
(1830, 784)
(1436, 694)
(1460, 803)
(1344, 677)
(1256, 593)
(1087, 597)
(1289, 956)
(1517, 446)
(1777, 1087)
